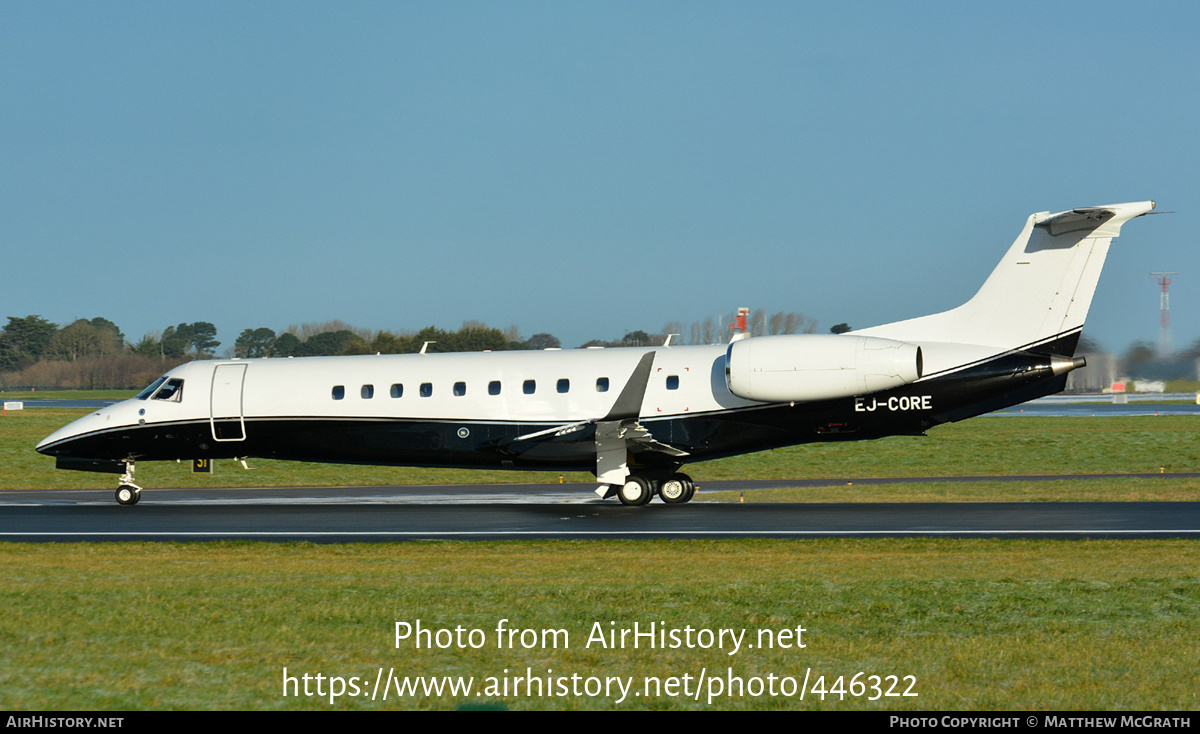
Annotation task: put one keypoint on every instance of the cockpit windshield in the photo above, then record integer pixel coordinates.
(163, 389)
(145, 394)
(173, 391)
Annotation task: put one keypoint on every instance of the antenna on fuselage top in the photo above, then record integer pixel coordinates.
(426, 346)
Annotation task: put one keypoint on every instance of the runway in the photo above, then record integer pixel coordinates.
(528, 512)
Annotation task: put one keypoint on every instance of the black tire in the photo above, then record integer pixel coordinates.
(635, 491)
(677, 489)
(128, 495)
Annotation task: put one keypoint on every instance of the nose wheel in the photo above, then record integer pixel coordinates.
(128, 493)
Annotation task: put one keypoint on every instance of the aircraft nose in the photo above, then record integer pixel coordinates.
(52, 445)
(56, 444)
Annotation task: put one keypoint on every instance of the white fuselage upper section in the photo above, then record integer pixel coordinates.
(544, 386)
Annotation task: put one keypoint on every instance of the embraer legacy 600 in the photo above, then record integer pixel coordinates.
(632, 415)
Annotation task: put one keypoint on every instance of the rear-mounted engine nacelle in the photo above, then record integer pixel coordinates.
(803, 367)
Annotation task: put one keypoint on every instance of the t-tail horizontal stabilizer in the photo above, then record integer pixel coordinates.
(1037, 297)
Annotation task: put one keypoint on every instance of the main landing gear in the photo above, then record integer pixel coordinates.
(674, 490)
(128, 493)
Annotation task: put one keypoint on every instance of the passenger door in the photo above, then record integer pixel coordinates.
(226, 418)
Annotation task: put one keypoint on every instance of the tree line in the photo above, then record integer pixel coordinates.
(94, 353)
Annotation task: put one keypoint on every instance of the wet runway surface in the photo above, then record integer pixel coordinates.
(499, 512)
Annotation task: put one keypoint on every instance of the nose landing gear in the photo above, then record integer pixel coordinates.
(128, 493)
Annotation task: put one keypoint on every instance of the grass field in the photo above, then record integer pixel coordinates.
(1020, 625)
(979, 624)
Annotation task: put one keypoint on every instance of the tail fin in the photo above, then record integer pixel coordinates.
(1038, 294)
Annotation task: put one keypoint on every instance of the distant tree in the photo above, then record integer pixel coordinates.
(254, 343)
(1139, 353)
(203, 338)
(474, 338)
(1141, 362)
(357, 345)
(24, 341)
(1192, 352)
(543, 341)
(148, 346)
(433, 334)
(83, 339)
(635, 339)
(789, 322)
(840, 328)
(1087, 345)
(704, 332)
(331, 343)
(103, 323)
(287, 345)
(675, 327)
(173, 344)
(306, 330)
(385, 342)
(197, 338)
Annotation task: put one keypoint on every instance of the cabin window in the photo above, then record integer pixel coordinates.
(460, 389)
(426, 389)
(673, 382)
(397, 390)
(367, 392)
(172, 391)
(494, 387)
(529, 387)
(339, 392)
(601, 384)
(564, 385)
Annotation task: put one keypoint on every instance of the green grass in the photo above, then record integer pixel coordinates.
(985, 446)
(982, 624)
(1021, 625)
(1183, 386)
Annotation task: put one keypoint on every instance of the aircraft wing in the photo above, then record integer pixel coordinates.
(619, 430)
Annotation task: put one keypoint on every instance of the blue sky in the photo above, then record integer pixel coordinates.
(583, 169)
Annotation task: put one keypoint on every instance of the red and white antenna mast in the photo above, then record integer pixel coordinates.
(1164, 314)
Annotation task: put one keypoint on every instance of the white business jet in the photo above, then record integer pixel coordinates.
(633, 415)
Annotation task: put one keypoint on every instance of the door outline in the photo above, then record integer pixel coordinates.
(226, 402)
